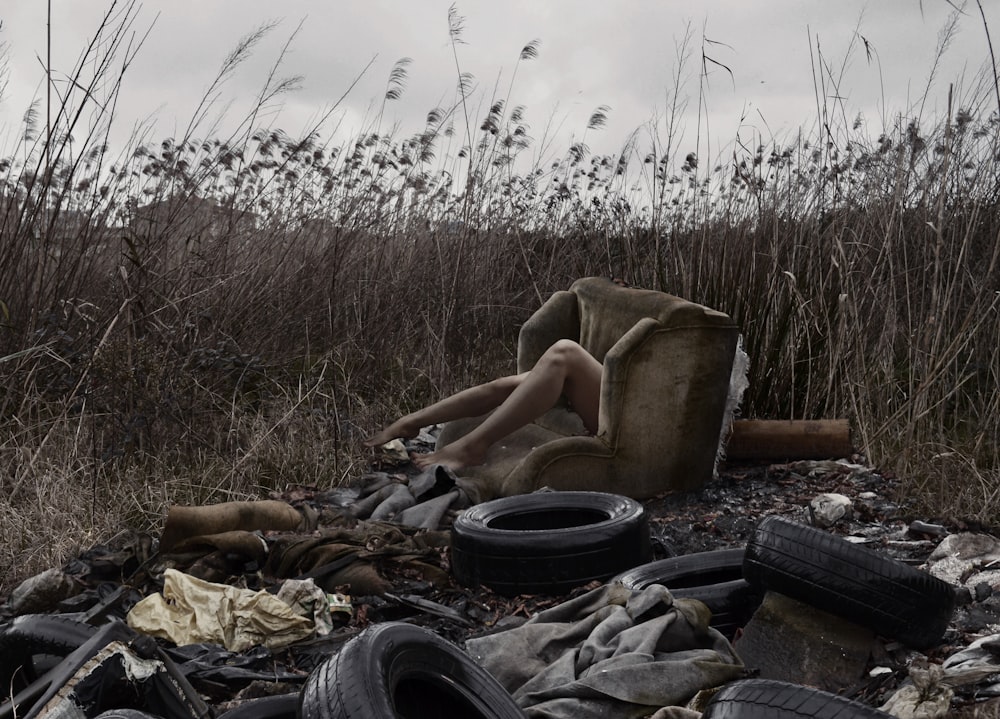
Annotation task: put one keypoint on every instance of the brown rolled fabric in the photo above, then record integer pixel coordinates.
(245, 544)
(185, 522)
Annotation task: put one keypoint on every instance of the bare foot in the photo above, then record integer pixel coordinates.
(455, 457)
(400, 429)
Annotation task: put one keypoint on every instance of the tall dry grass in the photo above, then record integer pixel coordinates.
(204, 318)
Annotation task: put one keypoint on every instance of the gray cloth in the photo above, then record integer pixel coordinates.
(422, 502)
(610, 652)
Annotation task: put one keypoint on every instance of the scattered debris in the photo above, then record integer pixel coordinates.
(394, 572)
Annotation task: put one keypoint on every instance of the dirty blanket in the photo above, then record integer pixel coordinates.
(611, 652)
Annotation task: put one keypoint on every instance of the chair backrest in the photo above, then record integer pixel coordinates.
(607, 311)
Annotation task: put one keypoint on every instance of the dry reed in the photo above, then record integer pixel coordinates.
(203, 318)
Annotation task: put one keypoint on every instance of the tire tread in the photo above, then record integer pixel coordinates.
(859, 584)
(772, 699)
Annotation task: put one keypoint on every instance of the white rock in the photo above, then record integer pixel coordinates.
(981, 548)
(966, 559)
(827, 509)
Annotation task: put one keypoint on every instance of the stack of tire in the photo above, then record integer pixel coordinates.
(551, 542)
(817, 568)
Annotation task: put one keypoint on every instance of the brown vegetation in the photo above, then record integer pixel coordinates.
(198, 320)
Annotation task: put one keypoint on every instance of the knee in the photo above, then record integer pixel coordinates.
(563, 352)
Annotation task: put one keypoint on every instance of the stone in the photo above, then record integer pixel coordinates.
(968, 546)
(827, 509)
(791, 641)
(967, 559)
(42, 593)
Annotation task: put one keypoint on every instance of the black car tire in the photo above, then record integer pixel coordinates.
(771, 699)
(827, 572)
(29, 641)
(714, 578)
(126, 714)
(401, 670)
(548, 542)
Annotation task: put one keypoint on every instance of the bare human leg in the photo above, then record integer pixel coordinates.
(564, 368)
(470, 402)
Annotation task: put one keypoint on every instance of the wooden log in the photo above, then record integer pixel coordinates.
(781, 439)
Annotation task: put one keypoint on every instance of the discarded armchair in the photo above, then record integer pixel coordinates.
(667, 365)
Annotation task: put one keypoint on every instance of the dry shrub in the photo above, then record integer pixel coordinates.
(197, 320)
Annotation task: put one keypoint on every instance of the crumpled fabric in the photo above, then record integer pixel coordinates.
(369, 545)
(977, 663)
(610, 652)
(308, 600)
(419, 502)
(192, 611)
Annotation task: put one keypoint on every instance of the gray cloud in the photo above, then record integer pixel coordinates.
(623, 55)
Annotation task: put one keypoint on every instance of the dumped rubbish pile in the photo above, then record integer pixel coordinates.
(284, 606)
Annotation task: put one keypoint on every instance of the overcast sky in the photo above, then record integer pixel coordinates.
(620, 54)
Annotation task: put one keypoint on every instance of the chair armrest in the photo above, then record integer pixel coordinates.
(667, 386)
(615, 377)
(557, 319)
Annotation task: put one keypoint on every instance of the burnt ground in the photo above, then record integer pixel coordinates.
(722, 514)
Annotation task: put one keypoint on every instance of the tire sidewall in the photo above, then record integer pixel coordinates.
(475, 525)
(774, 699)
(375, 663)
(714, 578)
